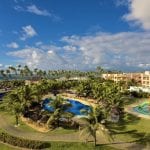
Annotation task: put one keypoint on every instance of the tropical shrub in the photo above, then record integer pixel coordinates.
(21, 142)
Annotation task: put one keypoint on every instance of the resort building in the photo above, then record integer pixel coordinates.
(143, 79)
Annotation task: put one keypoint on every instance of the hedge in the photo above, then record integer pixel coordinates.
(21, 142)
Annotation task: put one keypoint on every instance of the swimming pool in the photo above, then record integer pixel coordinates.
(144, 108)
(75, 108)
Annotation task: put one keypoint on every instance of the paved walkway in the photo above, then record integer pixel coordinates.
(74, 137)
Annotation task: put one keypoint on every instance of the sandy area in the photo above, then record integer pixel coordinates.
(34, 125)
(85, 101)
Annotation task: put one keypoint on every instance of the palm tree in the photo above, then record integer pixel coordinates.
(84, 88)
(2, 72)
(94, 122)
(100, 71)
(111, 96)
(27, 71)
(8, 73)
(13, 103)
(115, 98)
(54, 118)
(13, 70)
(27, 95)
(59, 106)
(19, 100)
(18, 69)
(38, 90)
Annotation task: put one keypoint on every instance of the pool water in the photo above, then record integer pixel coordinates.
(75, 108)
(143, 108)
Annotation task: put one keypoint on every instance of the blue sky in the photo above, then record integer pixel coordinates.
(81, 34)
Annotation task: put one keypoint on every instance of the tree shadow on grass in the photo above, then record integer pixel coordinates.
(121, 126)
(142, 142)
(129, 119)
(140, 139)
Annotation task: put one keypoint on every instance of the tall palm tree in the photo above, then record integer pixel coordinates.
(27, 71)
(94, 124)
(110, 95)
(18, 69)
(27, 95)
(13, 70)
(2, 72)
(39, 91)
(13, 103)
(8, 73)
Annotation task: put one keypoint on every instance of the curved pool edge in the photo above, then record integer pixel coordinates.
(75, 109)
(129, 109)
(80, 100)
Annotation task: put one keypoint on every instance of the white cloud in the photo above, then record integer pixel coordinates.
(6, 66)
(139, 13)
(122, 50)
(121, 2)
(1, 65)
(28, 32)
(70, 48)
(38, 58)
(13, 45)
(38, 43)
(18, 8)
(125, 51)
(35, 10)
(17, 1)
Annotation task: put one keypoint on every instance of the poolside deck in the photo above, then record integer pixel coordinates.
(85, 101)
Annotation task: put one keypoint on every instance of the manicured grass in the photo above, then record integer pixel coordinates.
(6, 147)
(65, 146)
(78, 146)
(131, 128)
(61, 130)
(11, 120)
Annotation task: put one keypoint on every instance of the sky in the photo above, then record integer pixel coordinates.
(75, 34)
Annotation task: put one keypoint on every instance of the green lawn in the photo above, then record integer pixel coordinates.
(132, 128)
(61, 130)
(6, 147)
(78, 146)
(11, 120)
(65, 146)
